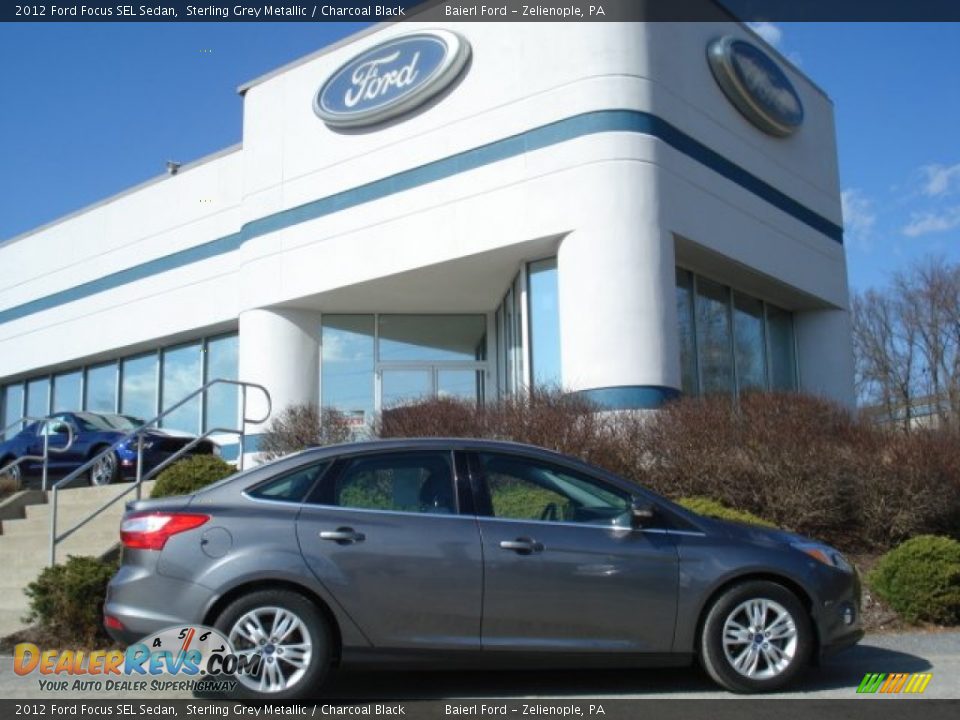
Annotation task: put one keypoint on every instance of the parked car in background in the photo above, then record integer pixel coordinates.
(92, 434)
(457, 553)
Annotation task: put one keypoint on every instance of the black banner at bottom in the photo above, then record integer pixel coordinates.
(865, 708)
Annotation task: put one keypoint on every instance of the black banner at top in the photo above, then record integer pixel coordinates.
(488, 11)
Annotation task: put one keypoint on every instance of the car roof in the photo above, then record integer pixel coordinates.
(456, 443)
(433, 443)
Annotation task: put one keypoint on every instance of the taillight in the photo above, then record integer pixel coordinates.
(111, 622)
(150, 531)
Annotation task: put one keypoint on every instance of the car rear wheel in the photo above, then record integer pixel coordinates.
(756, 637)
(288, 634)
(105, 471)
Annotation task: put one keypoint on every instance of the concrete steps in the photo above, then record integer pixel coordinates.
(25, 542)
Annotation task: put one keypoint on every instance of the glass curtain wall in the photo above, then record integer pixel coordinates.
(730, 341)
(531, 357)
(136, 386)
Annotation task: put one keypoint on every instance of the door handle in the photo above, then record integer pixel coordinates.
(522, 546)
(342, 536)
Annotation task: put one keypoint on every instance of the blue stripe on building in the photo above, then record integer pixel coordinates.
(590, 123)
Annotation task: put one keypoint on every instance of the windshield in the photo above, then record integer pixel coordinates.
(98, 422)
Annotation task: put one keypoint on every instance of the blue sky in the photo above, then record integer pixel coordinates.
(92, 109)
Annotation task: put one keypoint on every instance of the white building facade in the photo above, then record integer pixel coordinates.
(462, 209)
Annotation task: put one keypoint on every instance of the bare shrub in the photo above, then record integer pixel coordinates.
(801, 462)
(301, 426)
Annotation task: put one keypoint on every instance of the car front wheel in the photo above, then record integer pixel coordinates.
(104, 471)
(290, 637)
(757, 637)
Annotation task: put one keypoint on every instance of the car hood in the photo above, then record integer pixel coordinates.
(755, 534)
(153, 433)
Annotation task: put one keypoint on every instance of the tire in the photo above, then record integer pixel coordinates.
(743, 660)
(298, 681)
(105, 471)
(15, 473)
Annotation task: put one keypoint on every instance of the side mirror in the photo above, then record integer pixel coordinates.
(60, 429)
(641, 511)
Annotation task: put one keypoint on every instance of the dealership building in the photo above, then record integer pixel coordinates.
(628, 210)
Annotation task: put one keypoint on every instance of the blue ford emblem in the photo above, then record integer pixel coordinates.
(756, 85)
(391, 78)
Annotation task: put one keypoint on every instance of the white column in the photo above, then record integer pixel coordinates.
(616, 278)
(825, 354)
(279, 349)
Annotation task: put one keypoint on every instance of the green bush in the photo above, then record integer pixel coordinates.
(191, 474)
(66, 601)
(712, 508)
(920, 579)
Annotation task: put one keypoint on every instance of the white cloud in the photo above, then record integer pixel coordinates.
(924, 223)
(858, 215)
(769, 31)
(940, 179)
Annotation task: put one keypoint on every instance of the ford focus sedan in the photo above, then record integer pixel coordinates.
(465, 553)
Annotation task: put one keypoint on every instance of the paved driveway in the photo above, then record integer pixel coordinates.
(938, 653)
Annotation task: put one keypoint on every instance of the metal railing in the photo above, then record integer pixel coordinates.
(47, 449)
(141, 478)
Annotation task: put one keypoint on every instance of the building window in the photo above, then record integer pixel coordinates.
(38, 398)
(222, 362)
(688, 339)
(749, 343)
(95, 388)
(422, 356)
(544, 310)
(714, 337)
(138, 390)
(101, 388)
(182, 375)
(347, 365)
(67, 391)
(12, 409)
(783, 357)
(730, 341)
(432, 338)
(372, 362)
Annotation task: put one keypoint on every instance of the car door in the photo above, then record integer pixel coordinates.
(385, 534)
(564, 568)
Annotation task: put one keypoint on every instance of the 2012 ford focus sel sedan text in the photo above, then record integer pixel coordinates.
(460, 553)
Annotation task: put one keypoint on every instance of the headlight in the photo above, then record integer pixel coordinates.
(132, 444)
(825, 554)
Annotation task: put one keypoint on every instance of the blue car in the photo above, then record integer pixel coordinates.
(93, 433)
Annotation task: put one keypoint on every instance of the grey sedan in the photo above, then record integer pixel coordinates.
(465, 553)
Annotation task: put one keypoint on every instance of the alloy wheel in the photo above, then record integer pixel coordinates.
(282, 641)
(103, 470)
(760, 638)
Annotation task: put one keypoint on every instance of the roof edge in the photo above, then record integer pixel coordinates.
(210, 157)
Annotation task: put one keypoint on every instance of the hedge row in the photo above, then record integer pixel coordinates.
(798, 462)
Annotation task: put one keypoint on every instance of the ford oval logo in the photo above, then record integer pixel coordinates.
(756, 85)
(391, 78)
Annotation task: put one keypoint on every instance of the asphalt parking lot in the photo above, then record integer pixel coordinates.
(838, 677)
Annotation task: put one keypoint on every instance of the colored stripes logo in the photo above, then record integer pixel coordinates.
(894, 683)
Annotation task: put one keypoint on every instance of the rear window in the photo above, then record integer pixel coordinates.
(290, 487)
